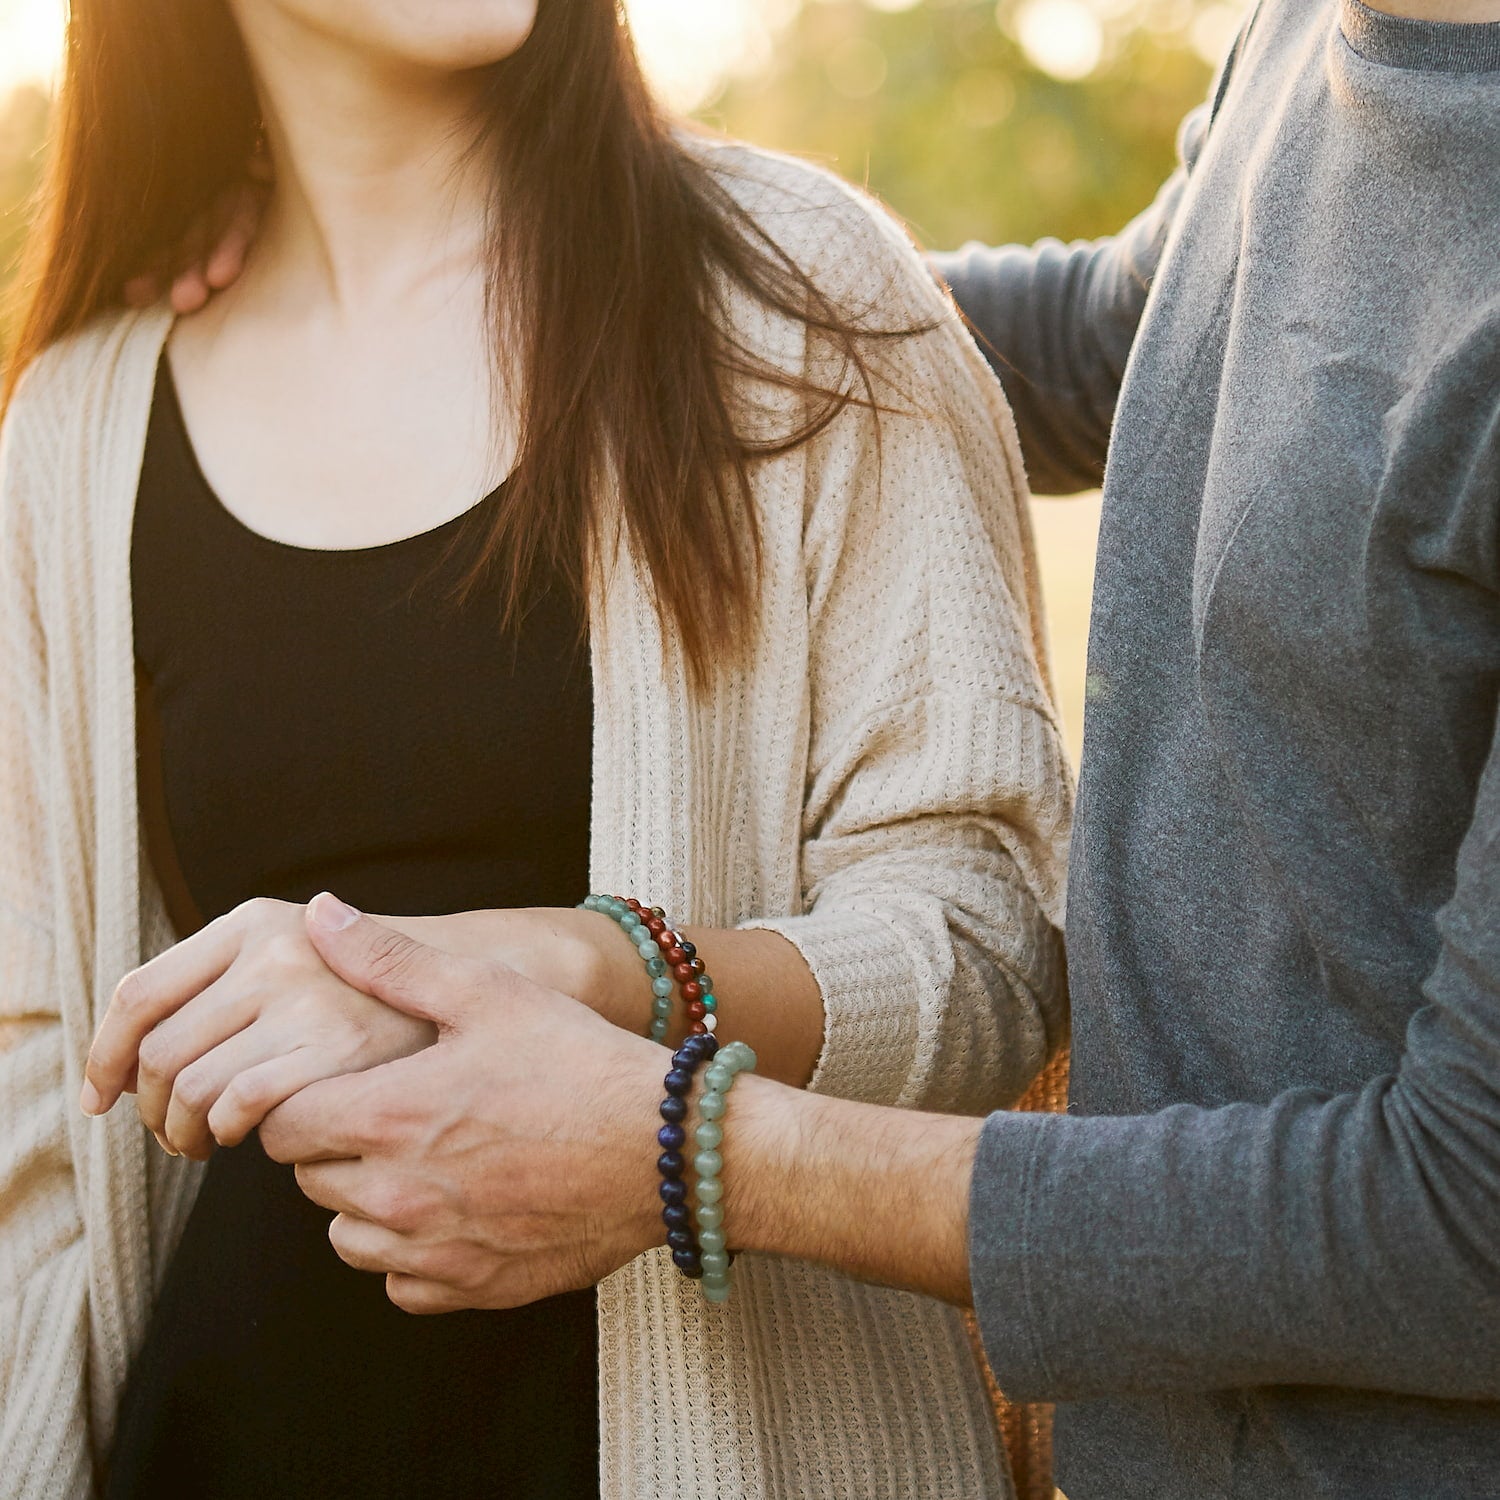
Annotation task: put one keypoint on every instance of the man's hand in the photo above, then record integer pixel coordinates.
(512, 1160)
(213, 255)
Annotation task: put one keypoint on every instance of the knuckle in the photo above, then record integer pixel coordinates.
(157, 1057)
(194, 1089)
(132, 994)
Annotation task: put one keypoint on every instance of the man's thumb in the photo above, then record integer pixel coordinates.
(384, 963)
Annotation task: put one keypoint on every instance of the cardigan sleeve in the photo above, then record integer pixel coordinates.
(938, 795)
(43, 1266)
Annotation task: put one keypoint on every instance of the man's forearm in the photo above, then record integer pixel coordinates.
(880, 1194)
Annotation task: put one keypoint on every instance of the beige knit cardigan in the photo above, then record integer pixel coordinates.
(881, 779)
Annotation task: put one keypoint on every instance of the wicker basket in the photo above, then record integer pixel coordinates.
(1027, 1430)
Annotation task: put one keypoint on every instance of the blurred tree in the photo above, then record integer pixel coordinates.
(941, 110)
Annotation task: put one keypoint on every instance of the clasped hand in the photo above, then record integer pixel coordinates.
(467, 1125)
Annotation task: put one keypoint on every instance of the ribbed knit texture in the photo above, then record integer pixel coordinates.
(882, 779)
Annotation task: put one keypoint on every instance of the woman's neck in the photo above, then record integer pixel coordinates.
(375, 191)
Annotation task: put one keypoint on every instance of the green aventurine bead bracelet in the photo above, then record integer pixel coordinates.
(708, 1214)
(633, 925)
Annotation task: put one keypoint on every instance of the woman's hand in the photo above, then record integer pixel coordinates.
(223, 1027)
(231, 1022)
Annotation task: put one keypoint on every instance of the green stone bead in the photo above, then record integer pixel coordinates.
(715, 1291)
(717, 1077)
(645, 950)
(710, 1191)
(662, 1009)
(715, 1262)
(711, 1106)
(708, 1002)
(708, 1163)
(710, 1215)
(709, 1136)
(658, 1031)
(711, 1239)
(656, 965)
(661, 987)
(737, 1057)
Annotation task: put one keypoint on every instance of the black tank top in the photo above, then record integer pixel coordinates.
(336, 720)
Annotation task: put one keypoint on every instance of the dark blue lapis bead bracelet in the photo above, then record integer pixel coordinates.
(682, 1239)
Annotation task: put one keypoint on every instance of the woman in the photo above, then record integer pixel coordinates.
(726, 433)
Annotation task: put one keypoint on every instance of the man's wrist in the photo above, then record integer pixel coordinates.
(880, 1194)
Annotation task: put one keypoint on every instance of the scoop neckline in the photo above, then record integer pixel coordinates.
(167, 384)
(1421, 46)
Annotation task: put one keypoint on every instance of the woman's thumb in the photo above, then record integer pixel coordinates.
(392, 967)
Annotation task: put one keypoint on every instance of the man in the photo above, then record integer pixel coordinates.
(1262, 1256)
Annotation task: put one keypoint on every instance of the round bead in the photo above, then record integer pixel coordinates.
(681, 1239)
(710, 1190)
(708, 1136)
(657, 911)
(682, 973)
(673, 1190)
(711, 1106)
(675, 955)
(655, 966)
(696, 965)
(661, 987)
(677, 1216)
(709, 1002)
(710, 1022)
(679, 1081)
(698, 1028)
(705, 984)
(714, 1262)
(696, 1011)
(715, 1291)
(687, 1260)
(661, 1007)
(632, 903)
(737, 1056)
(717, 1076)
(708, 1163)
(671, 1164)
(689, 949)
(646, 951)
(692, 990)
(658, 1031)
(712, 1240)
(655, 926)
(710, 1215)
(672, 1137)
(673, 1109)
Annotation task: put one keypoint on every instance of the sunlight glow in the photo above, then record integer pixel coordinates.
(31, 33)
(1061, 37)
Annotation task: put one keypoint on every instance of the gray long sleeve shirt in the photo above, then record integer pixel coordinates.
(1261, 1256)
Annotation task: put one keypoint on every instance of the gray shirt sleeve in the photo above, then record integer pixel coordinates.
(1349, 1239)
(1056, 322)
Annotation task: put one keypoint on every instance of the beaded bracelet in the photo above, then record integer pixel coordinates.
(669, 959)
(708, 1163)
(672, 1137)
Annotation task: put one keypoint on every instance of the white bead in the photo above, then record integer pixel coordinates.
(710, 1022)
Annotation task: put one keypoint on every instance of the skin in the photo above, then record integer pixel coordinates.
(341, 392)
(1462, 11)
(479, 1173)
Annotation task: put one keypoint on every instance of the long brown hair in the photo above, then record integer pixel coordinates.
(611, 258)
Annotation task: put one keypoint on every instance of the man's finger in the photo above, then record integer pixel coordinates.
(415, 1294)
(406, 974)
(327, 1121)
(143, 999)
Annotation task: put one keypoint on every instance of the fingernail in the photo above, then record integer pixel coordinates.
(328, 912)
(162, 1141)
(91, 1101)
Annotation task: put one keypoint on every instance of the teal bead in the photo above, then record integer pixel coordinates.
(717, 1077)
(715, 1291)
(589, 903)
(656, 965)
(711, 1239)
(710, 1215)
(708, 1002)
(709, 1137)
(711, 1106)
(737, 1057)
(705, 983)
(646, 949)
(715, 1262)
(708, 1163)
(661, 1009)
(710, 1191)
(661, 987)
(658, 1031)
